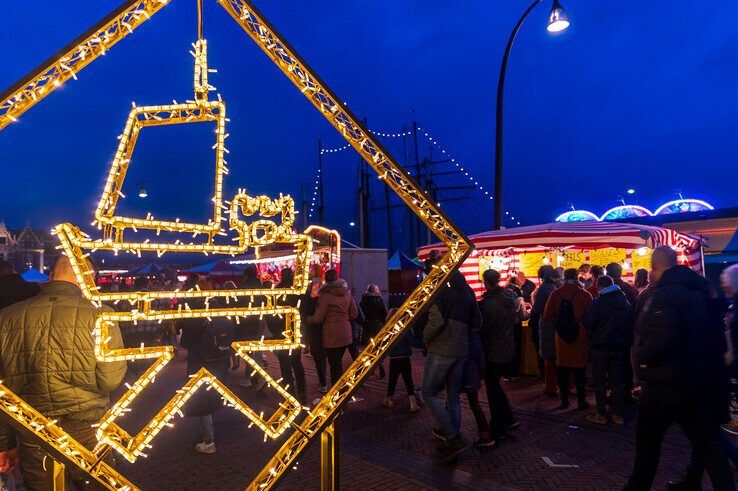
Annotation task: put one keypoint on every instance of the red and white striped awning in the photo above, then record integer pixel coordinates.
(574, 236)
(577, 235)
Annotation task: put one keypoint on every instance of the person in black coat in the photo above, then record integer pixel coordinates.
(204, 403)
(673, 357)
(609, 320)
(290, 361)
(13, 288)
(375, 312)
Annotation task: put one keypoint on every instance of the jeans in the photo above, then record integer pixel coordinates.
(444, 372)
(293, 373)
(608, 366)
(335, 361)
(31, 457)
(208, 430)
(659, 409)
(400, 366)
(579, 382)
(499, 408)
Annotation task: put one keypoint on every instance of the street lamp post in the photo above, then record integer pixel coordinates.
(557, 21)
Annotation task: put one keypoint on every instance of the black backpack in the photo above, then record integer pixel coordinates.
(566, 324)
(219, 334)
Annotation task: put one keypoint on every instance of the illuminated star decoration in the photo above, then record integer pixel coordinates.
(40, 83)
(250, 234)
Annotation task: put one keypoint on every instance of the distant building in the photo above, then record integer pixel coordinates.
(28, 248)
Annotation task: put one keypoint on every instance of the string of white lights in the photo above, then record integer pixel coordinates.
(316, 188)
(384, 134)
(471, 178)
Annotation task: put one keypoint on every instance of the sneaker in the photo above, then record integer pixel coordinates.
(485, 442)
(597, 418)
(207, 448)
(244, 382)
(617, 420)
(414, 406)
(438, 434)
(450, 450)
(388, 402)
(323, 389)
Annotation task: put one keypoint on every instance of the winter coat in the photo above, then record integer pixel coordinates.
(499, 317)
(631, 292)
(13, 289)
(357, 325)
(609, 320)
(574, 354)
(450, 319)
(545, 329)
(375, 312)
(670, 332)
(204, 401)
(250, 328)
(528, 288)
(47, 356)
(335, 311)
(471, 379)
(404, 346)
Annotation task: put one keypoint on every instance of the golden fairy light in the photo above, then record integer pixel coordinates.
(117, 230)
(259, 232)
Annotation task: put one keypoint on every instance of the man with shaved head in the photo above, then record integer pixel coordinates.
(673, 359)
(48, 358)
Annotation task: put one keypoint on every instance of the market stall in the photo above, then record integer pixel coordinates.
(404, 276)
(569, 245)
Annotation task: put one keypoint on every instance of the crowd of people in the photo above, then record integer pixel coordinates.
(660, 350)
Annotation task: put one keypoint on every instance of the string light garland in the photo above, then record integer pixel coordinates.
(316, 191)
(466, 172)
(366, 144)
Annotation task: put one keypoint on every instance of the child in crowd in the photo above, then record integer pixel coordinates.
(400, 364)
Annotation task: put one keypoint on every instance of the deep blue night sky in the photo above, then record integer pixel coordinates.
(639, 94)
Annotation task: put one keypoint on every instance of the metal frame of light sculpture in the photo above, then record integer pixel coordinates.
(95, 42)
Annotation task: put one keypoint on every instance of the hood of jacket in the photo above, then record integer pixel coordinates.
(457, 281)
(681, 275)
(338, 288)
(504, 296)
(615, 297)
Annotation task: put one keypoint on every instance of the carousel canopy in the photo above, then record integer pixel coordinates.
(400, 261)
(35, 276)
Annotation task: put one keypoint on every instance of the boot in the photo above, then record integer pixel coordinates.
(388, 402)
(414, 407)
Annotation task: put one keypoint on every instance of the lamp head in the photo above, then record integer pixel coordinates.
(558, 21)
(142, 193)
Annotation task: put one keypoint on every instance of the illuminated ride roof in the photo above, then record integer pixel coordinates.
(633, 211)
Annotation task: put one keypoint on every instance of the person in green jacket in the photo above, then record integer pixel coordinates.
(47, 357)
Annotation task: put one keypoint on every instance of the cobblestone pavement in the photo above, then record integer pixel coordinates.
(390, 449)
